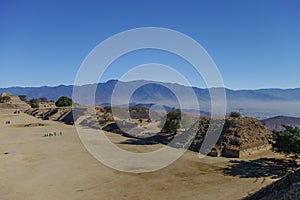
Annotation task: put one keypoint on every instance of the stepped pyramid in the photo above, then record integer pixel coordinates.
(240, 137)
(14, 102)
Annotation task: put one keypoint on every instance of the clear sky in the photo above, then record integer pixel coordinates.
(255, 44)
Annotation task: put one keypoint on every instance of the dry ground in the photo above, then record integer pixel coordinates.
(35, 167)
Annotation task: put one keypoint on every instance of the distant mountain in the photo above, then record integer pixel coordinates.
(275, 123)
(51, 93)
(258, 103)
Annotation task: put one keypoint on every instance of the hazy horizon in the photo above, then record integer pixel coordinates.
(57, 85)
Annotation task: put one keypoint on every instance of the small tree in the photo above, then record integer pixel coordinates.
(34, 103)
(172, 123)
(235, 114)
(64, 101)
(287, 141)
(23, 98)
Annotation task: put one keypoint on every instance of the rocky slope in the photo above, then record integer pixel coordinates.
(287, 188)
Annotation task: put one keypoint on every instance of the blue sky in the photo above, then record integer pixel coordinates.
(255, 44)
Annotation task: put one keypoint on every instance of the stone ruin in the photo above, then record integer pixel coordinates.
(239, 137)
(14, 102)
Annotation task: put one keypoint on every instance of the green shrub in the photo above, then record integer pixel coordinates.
(287, 141)
(64, 101)
(235, 114)
(34, 103)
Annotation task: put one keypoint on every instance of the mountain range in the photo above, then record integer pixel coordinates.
(258, 103)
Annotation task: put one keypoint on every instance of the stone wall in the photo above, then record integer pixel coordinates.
(287, 188)
(14, 106)
(253, 150)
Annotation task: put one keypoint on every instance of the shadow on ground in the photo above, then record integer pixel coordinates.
(260, 168)
(136, 141)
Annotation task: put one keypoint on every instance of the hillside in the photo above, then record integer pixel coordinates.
(275, 123)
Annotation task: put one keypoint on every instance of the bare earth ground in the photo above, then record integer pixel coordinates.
(35, 167)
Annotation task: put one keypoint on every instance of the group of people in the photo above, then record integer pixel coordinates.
(53, 134)
(17, 112)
